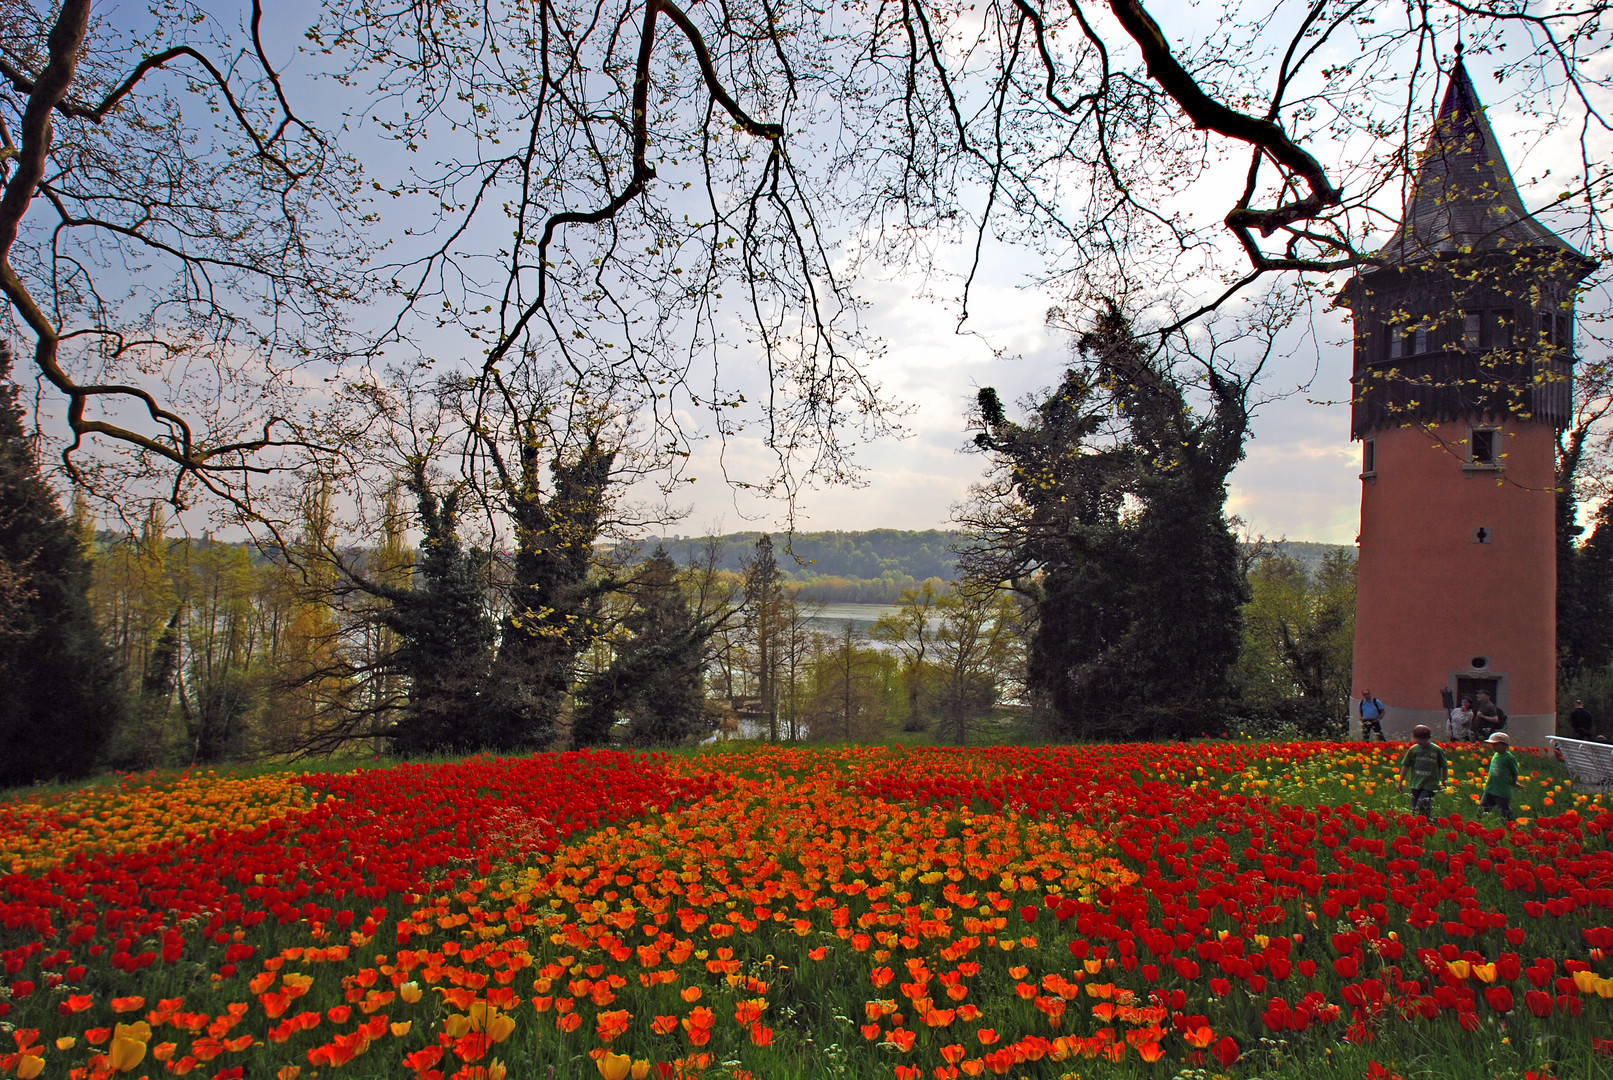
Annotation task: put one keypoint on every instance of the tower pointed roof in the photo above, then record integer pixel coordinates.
(1463, 198)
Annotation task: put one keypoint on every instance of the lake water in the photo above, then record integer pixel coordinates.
(834, 617)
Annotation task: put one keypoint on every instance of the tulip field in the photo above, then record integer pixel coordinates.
(1073, 913)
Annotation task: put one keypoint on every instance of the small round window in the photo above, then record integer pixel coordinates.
(1481, 662)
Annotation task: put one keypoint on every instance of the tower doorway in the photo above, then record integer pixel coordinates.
(1469, 687)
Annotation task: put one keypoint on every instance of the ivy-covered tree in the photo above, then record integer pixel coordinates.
(554, 599)
(1107, 508)
(443, 630)
(60, 697)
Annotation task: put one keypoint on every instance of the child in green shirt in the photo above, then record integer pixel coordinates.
(1503, 779)
(1425, 766)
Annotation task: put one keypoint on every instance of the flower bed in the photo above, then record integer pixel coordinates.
(1214, 909)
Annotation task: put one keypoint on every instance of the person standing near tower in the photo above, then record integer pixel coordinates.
(1371, 717)
(1488, 717)
(1582, 723)
(1461, 721)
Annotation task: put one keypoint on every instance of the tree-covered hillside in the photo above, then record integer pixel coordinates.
(882, 553)
(877, 553)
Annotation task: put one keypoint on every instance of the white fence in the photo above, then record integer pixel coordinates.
(1590, 763)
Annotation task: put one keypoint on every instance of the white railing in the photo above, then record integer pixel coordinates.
(1589, 762)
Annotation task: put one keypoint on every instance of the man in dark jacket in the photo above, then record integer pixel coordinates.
(1488, 717)
(1581, 722)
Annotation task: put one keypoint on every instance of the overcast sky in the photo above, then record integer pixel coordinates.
(1299, 480)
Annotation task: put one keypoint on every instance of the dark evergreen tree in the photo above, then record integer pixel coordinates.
(1585, 601)
(1584, 589)
(554, 602)
(445, 633)
(656, 679)
(60, 697)
(1115, 524)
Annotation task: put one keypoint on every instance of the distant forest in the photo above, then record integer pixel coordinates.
(873, 567)
(877, 553)
(1308, 553)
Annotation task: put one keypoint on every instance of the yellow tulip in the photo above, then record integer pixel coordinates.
(495, 1070)
(29, 1066)
(614, 1066)
(66, 1042)
(1604, 988)
(409, 992)
(1484, 972)
(139, 1031)
(401, 1028)
(1586, 981)
(499, 1027)
(641, 1069)
(125, 1053)
(456, 1025)
(1460, 968)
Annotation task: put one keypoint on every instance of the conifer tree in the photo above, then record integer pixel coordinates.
(655, 680)
(59, 692)
(444, 632)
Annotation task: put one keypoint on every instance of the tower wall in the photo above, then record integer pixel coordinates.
(1431, 597)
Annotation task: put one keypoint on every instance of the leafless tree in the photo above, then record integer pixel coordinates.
(173, 239)
(683, 197)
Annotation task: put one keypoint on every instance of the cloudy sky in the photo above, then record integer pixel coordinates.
(1299, 480)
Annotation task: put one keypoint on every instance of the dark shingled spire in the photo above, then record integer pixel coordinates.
(1464, 199)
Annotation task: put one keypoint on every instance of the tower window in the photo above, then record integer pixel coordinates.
(1499, 331)
(1472, 329)
(1369, 458)
(1484, 449)
(1403, 341)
